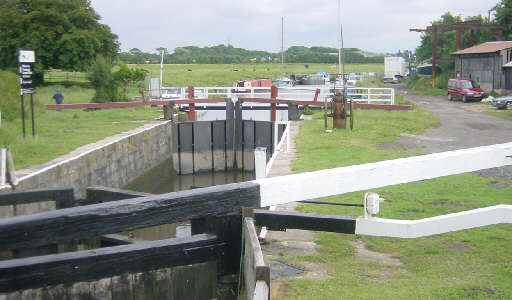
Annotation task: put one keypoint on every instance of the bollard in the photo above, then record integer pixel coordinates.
(260, 162)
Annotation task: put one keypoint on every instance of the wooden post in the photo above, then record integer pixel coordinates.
(317, 92)
(273, 106)
(459, 41)
(434, 51)
(191, 106)
(168, 111)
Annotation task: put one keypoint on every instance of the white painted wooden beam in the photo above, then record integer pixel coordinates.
(312, 185)
(480, 217)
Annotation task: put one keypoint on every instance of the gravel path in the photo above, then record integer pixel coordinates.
(463, 125)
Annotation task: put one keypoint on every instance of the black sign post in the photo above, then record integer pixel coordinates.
(26, 60)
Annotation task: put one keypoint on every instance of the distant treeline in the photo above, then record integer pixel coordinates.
(223, 54)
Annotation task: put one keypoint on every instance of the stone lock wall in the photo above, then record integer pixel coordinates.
(113, 162)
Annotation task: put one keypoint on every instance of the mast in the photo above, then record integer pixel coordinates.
(161, 67)
(282, 40)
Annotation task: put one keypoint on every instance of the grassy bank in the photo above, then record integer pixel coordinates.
(423, 85)
(59, 132)
(472, 264)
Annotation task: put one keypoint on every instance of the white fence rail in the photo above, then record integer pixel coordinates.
(305, 93)
(493, 215)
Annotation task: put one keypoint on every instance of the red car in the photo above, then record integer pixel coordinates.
(465, 89)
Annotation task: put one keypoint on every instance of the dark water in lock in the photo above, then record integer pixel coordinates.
(163, 179)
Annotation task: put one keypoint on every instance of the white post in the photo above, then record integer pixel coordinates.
(276, 136)
(3, 166)
(13, 180)
(288, 138)
(260, 162)
(392, 96)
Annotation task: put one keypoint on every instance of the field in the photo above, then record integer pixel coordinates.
(471, 264)
(226, 75)
(59, 132)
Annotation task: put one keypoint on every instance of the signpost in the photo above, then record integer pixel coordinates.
(26, 60)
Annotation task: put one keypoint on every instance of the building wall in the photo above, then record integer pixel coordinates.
(113, 164)
(486, 69)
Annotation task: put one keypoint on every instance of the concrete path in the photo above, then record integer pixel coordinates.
(291, 242)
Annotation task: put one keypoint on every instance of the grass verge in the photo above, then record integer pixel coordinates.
(59, 132)
(503, 114)
(474, 264)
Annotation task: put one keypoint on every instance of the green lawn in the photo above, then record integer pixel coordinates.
(471, 264)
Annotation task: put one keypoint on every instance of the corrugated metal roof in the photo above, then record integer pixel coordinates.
(488, 47)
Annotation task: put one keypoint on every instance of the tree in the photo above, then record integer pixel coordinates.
(503, 14)
(65, 34)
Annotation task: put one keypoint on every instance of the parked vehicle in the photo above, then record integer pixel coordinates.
(393, 67)
(464, 89)
(283, 82)
(502, 102)
(171, 92)
(392, 79)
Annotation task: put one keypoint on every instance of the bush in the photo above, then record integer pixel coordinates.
(307, 111)
(10, 98)
(112, 85)
(102, 80)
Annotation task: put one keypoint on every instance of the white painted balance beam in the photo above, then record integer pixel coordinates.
(330, 182)
(499, 214)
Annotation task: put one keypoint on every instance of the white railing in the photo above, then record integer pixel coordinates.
(336, 181)
(305, 93)
(261, 165)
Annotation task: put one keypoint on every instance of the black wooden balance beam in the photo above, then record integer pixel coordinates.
(71, 267)
(111, 217)
(63, 197)
(280, 220)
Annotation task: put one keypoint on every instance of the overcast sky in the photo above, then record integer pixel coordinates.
(371, 25)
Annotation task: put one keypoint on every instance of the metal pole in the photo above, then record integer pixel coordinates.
(161, 68)
(282, 40)
(23, 114)
(340, 39)
(32, 113)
